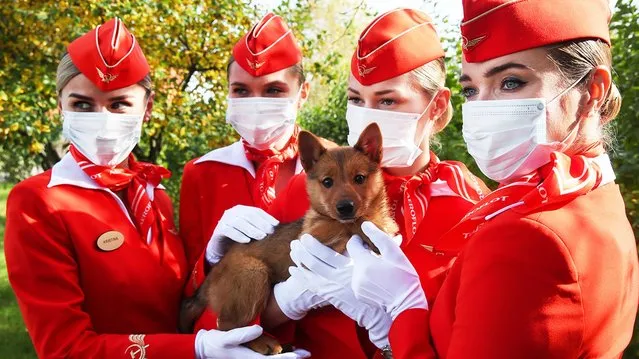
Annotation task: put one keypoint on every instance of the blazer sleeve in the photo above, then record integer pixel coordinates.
(409, 335)
(44, 275)
(518, 295)
(190, 218)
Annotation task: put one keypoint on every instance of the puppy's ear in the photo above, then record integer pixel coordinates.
(370, 142)
(311, 149)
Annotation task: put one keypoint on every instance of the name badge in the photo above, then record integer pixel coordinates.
(110, 241)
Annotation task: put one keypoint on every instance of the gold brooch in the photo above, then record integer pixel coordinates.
(469, 44)
(106, 77)
(255, 65)
(363, 71)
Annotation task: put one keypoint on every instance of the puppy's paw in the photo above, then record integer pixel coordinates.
(265, 345)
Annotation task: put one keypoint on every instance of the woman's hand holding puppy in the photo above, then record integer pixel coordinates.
(329, 274)
(216, 344)
(388, 279)
(240, 224)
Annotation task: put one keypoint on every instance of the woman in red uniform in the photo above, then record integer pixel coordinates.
(266, 88)
(549, 266)
(398, 81)
(92, 252)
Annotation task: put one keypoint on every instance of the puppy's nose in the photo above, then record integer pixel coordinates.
(345, 208)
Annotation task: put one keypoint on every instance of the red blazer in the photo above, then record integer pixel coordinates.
(78, 301)
(559, 283)
(326, 332)
(211, 184)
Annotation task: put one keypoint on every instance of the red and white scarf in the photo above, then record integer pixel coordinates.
(409, 196)
(269, 165)
(134, 179)
(563, 179)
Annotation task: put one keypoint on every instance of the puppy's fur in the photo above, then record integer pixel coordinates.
(345, 187)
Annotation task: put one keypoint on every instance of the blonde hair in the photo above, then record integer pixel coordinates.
(67, 70)
(430, 78)
(575, 59)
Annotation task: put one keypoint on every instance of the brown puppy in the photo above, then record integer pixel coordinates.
(345, 187)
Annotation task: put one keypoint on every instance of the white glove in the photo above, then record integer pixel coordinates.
(294, 297)
(329, 275)
(389, 279)
(216, 344)
(240, 224)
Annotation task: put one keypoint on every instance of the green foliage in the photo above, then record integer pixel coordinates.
(625, 32)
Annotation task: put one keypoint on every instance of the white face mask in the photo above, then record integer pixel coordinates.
(105, 138)
(399, 147)
(262, 121)
(508, 138)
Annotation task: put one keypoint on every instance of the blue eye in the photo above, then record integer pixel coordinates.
(354, 100)
(469, 92)
(387, 102)
(511, 84)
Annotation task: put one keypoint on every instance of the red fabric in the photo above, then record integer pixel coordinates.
(328, 333)
(208, 189)
(558, 279)
(134, 179)
(269, 47)
(395, 43)
(494, 28)
(78, 301)
(109, 56)
(410, 196)
(269, 165)
(562, 179)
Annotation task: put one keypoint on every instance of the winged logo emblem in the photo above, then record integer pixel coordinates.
(106, 77)
(363, 71)
(469, 44)
(255, 65)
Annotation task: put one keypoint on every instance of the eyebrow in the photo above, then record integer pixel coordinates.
(384, 92)
(277, 83)
(497, 69)
(119, 98)
(81, 97)
(353, 90)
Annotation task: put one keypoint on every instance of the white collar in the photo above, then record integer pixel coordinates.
(68, 172)
(607, 172)
(234, 155)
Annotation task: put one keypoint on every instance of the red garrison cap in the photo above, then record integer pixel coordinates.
(494, 28)
(395, 43)
(109, 56)
(269, 47)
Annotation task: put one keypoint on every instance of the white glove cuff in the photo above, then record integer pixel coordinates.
(199, 344)
(288, 297)
(415, 299)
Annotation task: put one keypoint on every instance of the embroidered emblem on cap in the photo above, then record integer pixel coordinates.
(469, 44)
(106, 78)
(255, 65)
(137, 350)
(363, 71)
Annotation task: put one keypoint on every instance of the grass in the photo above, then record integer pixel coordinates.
(14, 339)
